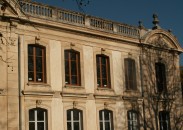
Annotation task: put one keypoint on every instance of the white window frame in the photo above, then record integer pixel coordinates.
(133, 119)
(103, 119)
(36, 121)
(72, 121)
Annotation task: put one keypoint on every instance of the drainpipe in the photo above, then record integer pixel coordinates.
(19, 83)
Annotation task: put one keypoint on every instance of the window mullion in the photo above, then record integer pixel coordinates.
(103, 120)
(79, 121)
(72, 120)
(44, 120)
(36, 120)
(110, 120)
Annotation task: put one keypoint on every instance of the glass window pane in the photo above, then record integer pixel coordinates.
(40, 126)
(100, 115)
(101, 126)
(98, 71)
(73, 68)
(107, 126)
(30, 63)
(68, 115)
(39, 64)
(31, 115)
(69, 126)
(38, 51)
(30, 50)
(76, 115)
(104, 69)
(39, 77)
(31, 126)
(66, 54)
(40, 115)
(76, 126)
(106, 115)
(98, 82)
(66, 67)
(104, 83)
(103, 60)
(67, 81)
(30, 76)
(73, 55)
(74, 80)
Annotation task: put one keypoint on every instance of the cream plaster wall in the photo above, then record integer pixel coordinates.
(55, 65)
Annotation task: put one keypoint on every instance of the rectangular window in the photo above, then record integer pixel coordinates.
(133, 123)
(37, 119)
(103, 71)
(160, 77)
(72, 67)
(36, 63)
(130, 74)
(164, 120)
(74, 119)
(106, 119)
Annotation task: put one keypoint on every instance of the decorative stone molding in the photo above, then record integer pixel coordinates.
(41, 93)
(2, 91)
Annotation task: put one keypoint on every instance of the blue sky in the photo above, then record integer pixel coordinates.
(170, 12)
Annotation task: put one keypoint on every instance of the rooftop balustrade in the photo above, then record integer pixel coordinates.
(75, 18)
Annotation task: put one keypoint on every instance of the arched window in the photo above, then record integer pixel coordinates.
(160, 77)
(133, 120)
(130, 74)
(36, 63)
(38, 119)
(74, 119)
(103, 71)
(164, 120)
(72, 67)
(106, 119)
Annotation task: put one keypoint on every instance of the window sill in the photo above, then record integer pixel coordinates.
(73, 87)
(104, 89)
(38, 84)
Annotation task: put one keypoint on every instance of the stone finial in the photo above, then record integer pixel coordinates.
(140, 25)
(155, 22)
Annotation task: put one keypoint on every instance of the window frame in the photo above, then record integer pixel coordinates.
(132, 121)
(72, 120)
(160, 73)
(106, 67)
(43, 61)
(78, 67)
(104, 121)
(36, 121)
(130, 78)
(162, 121)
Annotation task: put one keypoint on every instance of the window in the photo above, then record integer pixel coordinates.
(72, 67)
(74, 119)
(37, 119)
(36, 63)
(133, 123)
(164, 120)
(160, 77)
(103, 71)
(130, 74)
(106, 119)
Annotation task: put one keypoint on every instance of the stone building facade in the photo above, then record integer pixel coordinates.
(64, 70)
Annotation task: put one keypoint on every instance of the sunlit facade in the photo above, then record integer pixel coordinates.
(64, 70)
